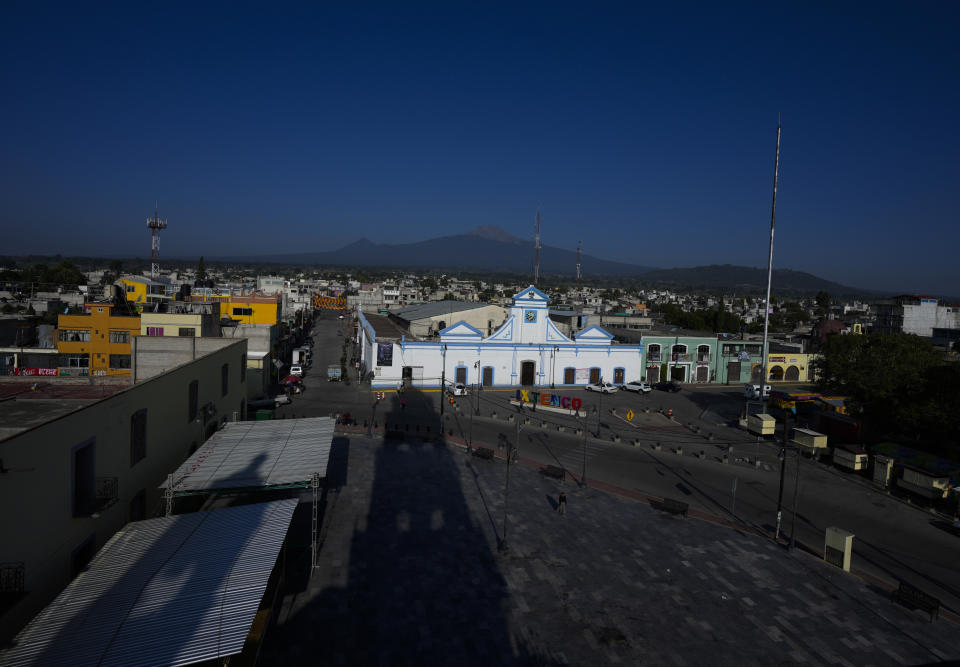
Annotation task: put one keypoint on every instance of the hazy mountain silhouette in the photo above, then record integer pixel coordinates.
(486, 249)
(490, 249)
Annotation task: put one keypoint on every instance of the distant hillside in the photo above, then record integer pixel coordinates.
(746, 279)
(485, 249)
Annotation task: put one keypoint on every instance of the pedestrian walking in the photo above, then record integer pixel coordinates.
(562, 503)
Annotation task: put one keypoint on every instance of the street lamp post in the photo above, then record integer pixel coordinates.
(443, 380)
(796, 493)
(506, 488)
(600, 406)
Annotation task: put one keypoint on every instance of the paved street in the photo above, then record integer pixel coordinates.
(410, 573)
(894, 541)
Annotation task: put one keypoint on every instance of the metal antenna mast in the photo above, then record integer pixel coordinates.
(579, 275)
(536, 250)
(155, 224)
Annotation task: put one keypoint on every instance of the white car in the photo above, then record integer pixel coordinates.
(639, 387)
(753, 391)
(296, 369)
(459, 389)
(603, 388)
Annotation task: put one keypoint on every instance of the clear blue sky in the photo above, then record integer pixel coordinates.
(648, 133)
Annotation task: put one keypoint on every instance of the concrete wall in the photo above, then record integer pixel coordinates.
(153, 355)
(38, 524)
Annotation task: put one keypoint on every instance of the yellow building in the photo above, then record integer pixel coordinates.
(788, 367)
(142, 290)
(244, 307)
(96, 342)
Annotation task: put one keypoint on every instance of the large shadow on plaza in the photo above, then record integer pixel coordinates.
(422, 581)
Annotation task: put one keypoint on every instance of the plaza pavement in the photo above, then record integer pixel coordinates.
(410, 573)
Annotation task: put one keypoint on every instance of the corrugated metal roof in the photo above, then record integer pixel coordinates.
(169, 591)
(258, 454)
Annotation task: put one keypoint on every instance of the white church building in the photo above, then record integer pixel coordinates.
(526, 350)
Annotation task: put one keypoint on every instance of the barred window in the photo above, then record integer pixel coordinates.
(119, 336)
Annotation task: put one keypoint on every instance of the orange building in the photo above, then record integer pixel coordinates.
(96, 342)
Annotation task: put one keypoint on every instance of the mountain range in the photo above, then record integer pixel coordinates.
(486, 249)
(489, 249)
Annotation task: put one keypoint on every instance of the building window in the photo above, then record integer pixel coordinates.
(154, 331)
(703, 353)
(594, 374)
(75, 360)
(119, 336)
(653, 352)
(187, 331)
(618, 374)
(243, 312)
(119, 361)
(460, 374)
(131, 288)
(75, 335)
(243, 368)
(679, 352)
(569, 375)
(138, 506)
(84, 492)
(192, 401)
(224, 379)
(138, 436)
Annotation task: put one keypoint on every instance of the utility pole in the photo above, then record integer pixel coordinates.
(796, 493)
(783, 470)
(766, 305)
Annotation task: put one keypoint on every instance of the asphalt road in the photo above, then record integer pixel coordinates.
(894, 540)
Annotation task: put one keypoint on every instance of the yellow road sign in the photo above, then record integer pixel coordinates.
(629, 415)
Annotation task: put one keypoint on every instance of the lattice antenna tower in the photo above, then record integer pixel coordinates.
(155, 224)
(536, 250)
(579, 275)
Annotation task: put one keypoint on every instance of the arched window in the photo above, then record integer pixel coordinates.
(653, 352)
(679, 352)
(703, 353)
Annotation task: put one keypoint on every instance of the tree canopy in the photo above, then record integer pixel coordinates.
(897, 383)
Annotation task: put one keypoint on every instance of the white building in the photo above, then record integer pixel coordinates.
(527, 350)
(913, 314)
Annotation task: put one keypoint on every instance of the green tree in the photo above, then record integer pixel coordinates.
(887, 377)
(201, 270)
(823, 300)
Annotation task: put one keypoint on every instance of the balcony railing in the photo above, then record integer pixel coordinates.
(653, 357)
(105, 494)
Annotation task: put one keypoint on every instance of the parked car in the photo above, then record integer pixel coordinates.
(638, 387)
(603, 388)
(753, 391)
(459, 389)
(667, 385)
(296, 369)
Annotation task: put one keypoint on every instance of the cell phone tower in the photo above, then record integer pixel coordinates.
(579, 275)
(536, 249)
(155, 224)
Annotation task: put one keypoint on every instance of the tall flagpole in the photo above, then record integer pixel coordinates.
(766, 305)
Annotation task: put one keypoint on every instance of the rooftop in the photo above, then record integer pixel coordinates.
(25, 404)
(436, 309)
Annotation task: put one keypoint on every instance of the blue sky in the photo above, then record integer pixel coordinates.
(646, 132)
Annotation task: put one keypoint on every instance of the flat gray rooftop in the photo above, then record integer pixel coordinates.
(410, 573)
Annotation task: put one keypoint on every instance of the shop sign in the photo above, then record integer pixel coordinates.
(778, 360)
(31, 372)
(549, 400)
